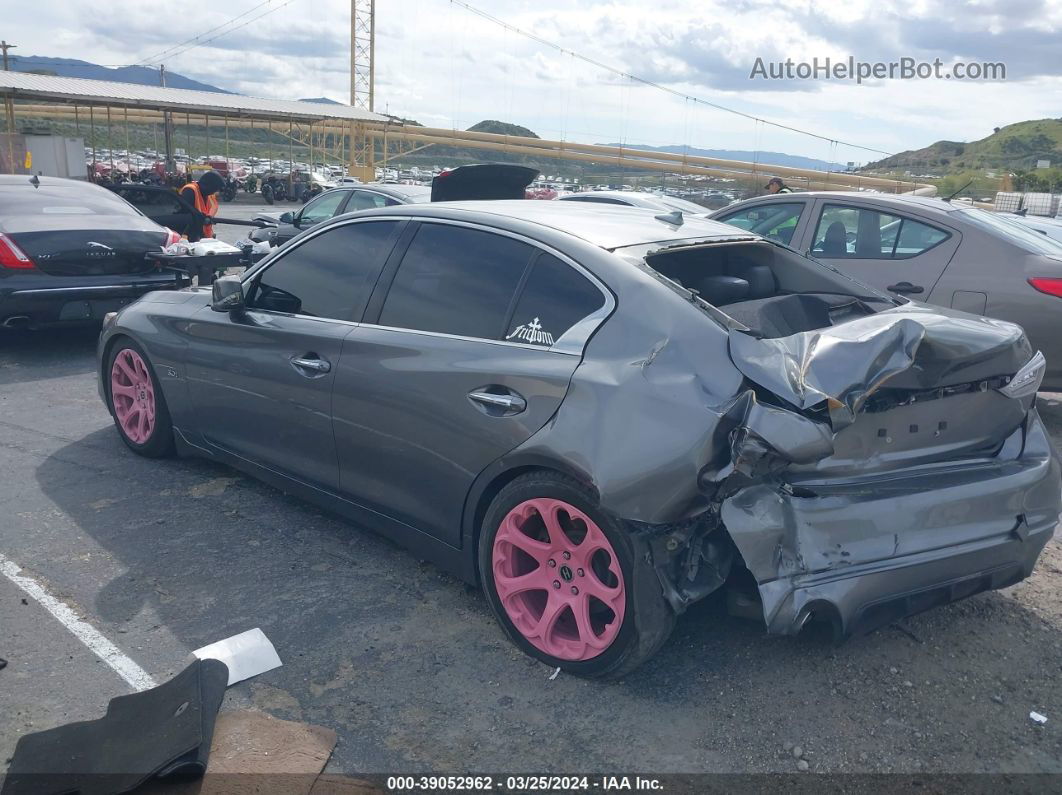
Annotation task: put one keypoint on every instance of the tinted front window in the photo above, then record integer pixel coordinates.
(330, 275)
(555, 298)
(321, 208)
(456, 280)
(775, 220)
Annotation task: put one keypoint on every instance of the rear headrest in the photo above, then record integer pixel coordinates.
(720, 290)
(761, 281)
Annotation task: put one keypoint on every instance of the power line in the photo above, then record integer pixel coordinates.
(199, 41)
(650, 83)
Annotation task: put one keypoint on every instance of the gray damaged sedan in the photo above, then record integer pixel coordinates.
(603, 415)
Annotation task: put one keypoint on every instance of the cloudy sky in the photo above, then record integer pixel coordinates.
(444, 66)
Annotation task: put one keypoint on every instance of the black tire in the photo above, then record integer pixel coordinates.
(159, 443)
(267, 194)
(648, 619)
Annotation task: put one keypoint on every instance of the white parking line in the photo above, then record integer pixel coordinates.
(137, 677)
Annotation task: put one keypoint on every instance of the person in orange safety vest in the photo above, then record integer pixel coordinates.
(203, 195)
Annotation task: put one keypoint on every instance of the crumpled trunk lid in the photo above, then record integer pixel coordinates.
(913, 347)
(904, 387)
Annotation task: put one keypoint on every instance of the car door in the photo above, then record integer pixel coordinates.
(884, 247)
(319, 209)
(465, 353)
(260, 380)
(783, 221)
(160, 204)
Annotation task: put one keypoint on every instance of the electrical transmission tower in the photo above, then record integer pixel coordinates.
(362, 84)
(362, 50)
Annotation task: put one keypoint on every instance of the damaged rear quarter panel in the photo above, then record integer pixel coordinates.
(642, 413)
(667, 419)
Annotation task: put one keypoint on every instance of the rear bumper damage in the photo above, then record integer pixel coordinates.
(864, 553)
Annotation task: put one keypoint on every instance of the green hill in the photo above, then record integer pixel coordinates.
(501, 128)
(1015, 147)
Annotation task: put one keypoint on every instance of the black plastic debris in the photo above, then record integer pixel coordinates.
(3, 663)
(160, 732)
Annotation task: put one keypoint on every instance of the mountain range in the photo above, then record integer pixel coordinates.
(71, 67)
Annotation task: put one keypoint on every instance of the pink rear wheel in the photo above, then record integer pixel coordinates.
(559, 579)
(133, 396)
(568, 582)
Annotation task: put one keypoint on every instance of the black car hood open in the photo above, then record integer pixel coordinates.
(909, 347)
(485, 181)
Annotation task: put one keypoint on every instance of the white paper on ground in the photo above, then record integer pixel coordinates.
(248, 654)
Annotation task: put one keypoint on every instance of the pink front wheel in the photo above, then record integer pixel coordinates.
(133, 396)
(558, 579)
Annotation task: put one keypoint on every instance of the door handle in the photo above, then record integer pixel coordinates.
(906, 287)
(509, 403)
(314, 364)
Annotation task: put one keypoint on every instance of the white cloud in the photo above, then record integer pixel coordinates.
(442, 65)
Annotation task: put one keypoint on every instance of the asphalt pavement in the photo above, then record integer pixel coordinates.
(407, 664)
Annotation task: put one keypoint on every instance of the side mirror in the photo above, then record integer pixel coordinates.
(287, 218)
(227, 294)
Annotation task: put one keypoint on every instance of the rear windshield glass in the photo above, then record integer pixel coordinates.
(61, 200)
(1022, 236)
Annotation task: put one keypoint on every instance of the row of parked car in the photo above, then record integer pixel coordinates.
(602, 414)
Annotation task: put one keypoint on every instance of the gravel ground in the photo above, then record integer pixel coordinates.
(406, 663)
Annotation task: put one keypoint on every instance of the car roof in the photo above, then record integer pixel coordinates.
(404, 193)
(623, 195)
(607, 226)
(930, 203)
(7, 180)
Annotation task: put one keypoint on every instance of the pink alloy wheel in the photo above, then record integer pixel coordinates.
(558, 579)
(133, 396)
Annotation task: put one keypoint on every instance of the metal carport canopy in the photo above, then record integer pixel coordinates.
(76, 90)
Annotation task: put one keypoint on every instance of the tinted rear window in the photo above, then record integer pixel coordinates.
(62, 200)
(553, 300)
(455, 280)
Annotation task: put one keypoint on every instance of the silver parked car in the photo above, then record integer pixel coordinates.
(602, 417)
(629, 198)
(945, 254)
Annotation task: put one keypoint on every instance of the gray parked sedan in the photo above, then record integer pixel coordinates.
(941, 253)
(603, 416)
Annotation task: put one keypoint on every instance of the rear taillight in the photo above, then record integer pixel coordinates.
(11, 256)
(1047, 285)
(172, 237)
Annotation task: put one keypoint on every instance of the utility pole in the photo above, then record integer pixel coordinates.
(9, 111)
(167, 129)
(362, 84)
